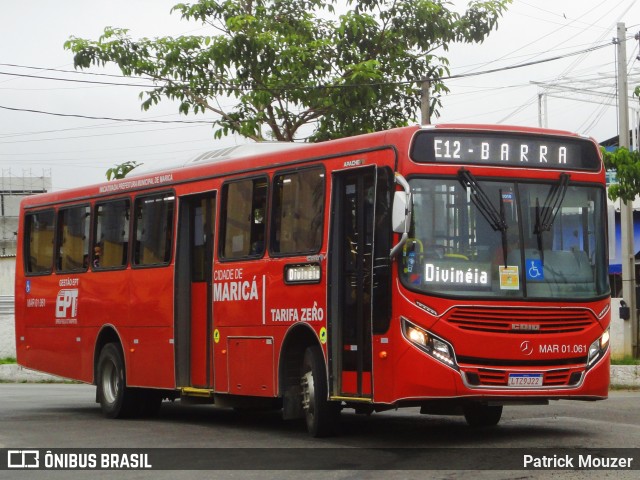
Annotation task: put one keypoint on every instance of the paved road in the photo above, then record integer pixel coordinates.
(65, 416)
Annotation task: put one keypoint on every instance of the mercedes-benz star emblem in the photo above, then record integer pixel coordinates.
(526, 348)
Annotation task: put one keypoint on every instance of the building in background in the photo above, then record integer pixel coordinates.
(12, 190)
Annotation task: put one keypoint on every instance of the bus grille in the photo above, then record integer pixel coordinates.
(486, 377)
(516, 320)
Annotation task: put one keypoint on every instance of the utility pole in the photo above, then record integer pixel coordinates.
(543, 111)
(425, 108)
(626, 208)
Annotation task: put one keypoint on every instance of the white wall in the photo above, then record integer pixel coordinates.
(7, 275)
(7, 329)
(7, 336)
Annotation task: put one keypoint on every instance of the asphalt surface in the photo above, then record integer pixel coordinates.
(54, 416)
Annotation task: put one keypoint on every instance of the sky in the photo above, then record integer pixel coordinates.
(74, 151)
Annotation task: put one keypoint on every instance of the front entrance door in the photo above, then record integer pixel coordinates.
(351, 269)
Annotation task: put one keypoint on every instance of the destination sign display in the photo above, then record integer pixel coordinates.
(505, 149)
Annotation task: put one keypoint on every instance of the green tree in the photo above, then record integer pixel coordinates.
(121, 170)
(626, 164)
(291, 63)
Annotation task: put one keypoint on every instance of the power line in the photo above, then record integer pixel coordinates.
(450, 77)
(311, 87)
(90, 117)
(95, 82)
(49, 153)
(77, 72)
(527, 64)
(539, 39)
(134, 132)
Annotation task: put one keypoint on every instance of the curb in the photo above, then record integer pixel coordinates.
(621, 375)
(625, 375)
(17, 374)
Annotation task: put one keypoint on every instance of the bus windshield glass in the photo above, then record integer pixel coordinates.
(482, 238)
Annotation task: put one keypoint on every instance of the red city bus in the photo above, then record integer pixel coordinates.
(457, 268)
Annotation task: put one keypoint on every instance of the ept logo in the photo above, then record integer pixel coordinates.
(67, 303)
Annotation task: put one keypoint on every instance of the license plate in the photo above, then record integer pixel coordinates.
(525, 379)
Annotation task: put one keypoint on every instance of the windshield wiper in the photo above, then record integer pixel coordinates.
(546, 215)
(495, 218)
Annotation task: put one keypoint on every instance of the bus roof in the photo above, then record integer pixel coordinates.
(228, 153)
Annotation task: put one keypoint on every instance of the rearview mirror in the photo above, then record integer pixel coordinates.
(401, 216)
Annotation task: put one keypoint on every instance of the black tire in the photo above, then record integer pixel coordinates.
(321, 415)
(479, 415)
(116, 400)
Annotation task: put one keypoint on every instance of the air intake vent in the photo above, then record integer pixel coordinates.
(517, 320)
(485, 377)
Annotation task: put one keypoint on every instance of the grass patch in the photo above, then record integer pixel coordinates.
(7, 360)
(628, 360)
(623, 388)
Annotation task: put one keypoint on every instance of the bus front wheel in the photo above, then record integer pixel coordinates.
(116, 400)
(479, 415)
(320, 414)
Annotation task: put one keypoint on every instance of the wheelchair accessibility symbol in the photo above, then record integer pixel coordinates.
(535, 270)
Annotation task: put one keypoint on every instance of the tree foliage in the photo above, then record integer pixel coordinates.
(626, 164)
(291, 63)
(121, 170)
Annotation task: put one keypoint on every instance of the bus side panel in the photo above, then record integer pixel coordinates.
(148, 356)
(239, 307)
(19, 294)
(148, 340)
(62, 351)
(52, 333)
(255, 377)
(103, 302)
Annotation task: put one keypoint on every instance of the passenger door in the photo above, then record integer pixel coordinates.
(194, 267)
(359, 276)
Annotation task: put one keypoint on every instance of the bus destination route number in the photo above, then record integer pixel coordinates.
(531, 151)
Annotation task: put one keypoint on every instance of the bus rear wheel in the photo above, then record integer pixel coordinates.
(116, 400)
(321, 415)
(480, 415)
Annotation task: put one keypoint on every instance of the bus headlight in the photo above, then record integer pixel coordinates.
(417, 336)
(429, 343)
(598, 348)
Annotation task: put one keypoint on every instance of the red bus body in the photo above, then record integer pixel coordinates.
(395, 332)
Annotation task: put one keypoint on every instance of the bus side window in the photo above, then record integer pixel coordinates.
(153, 229)
(244, 218)
(73, 239)
(298, 207)
(39, 229)
(111, 235)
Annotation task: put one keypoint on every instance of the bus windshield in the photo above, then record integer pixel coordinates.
(486, 239)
